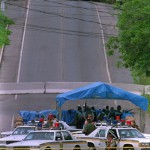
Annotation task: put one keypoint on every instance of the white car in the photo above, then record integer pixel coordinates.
(50, 140)
(17, 135)
(127, 138)
(63, 125)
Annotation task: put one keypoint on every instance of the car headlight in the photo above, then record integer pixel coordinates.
(2, 142)
(144, 144)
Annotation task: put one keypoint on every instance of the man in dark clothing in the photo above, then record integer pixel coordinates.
(79, 118)
(112, 113)
(88, 127)
(94, 113)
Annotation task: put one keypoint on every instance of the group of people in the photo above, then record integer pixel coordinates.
(50, 123)
(82, 115)
(98, 116)
(86, 118)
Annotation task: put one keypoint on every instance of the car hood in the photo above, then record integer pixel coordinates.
(141, 140)
(144, 140)
(6, 133)
(29, 143)
(146, 135)
(13, 138)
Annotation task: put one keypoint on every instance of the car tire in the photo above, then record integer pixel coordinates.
(128, 147)
(91, 146)
(77, 148)
(48, 148)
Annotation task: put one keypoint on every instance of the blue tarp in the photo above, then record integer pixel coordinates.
(100, 90)
(67, 115)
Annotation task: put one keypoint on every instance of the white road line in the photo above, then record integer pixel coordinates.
(23, 38)
(22, 44)
(104, 48)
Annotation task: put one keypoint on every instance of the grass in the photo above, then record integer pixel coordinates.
(148, 97)
(4, 33)
(143, 80)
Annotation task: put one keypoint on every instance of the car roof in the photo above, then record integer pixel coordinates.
(49, 131)
(25, 126)
(115, 127)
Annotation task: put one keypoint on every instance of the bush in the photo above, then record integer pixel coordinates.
(4, 33)
(148, 97)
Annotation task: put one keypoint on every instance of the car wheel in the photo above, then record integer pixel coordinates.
(128, 147)
(91, 146)
(77, 148)
(47, 148)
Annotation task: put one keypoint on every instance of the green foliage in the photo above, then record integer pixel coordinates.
(4, 21)
(148, 97)
(142, 80)
(133, 41)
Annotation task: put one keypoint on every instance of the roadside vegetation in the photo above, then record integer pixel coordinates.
(148, 97)
(4, 33)
(133, 40)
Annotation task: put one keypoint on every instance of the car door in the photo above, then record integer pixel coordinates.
(102, 134)
(68, 142)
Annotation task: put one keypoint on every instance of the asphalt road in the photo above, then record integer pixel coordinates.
(66, 50)
(63, 42)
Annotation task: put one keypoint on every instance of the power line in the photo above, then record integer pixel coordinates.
(67, 32)
(56, 30)
(60, 15)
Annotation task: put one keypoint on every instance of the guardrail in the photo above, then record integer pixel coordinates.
(60, 87)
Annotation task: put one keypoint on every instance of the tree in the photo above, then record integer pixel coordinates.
(133, 40)
(4, 33)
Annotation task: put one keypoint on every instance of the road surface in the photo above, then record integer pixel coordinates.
(57, 41)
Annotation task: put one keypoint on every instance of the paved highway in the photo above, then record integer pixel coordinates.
(62, 41)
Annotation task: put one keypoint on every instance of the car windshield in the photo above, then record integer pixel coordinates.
(23, 130)
(40, 136)
(130, 133)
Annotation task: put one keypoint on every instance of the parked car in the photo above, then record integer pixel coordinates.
(62, 125)
(17, 135)
(127, 138)
(50, 140)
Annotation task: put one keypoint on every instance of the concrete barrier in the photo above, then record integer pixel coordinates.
(61, 87)
(21, 88)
